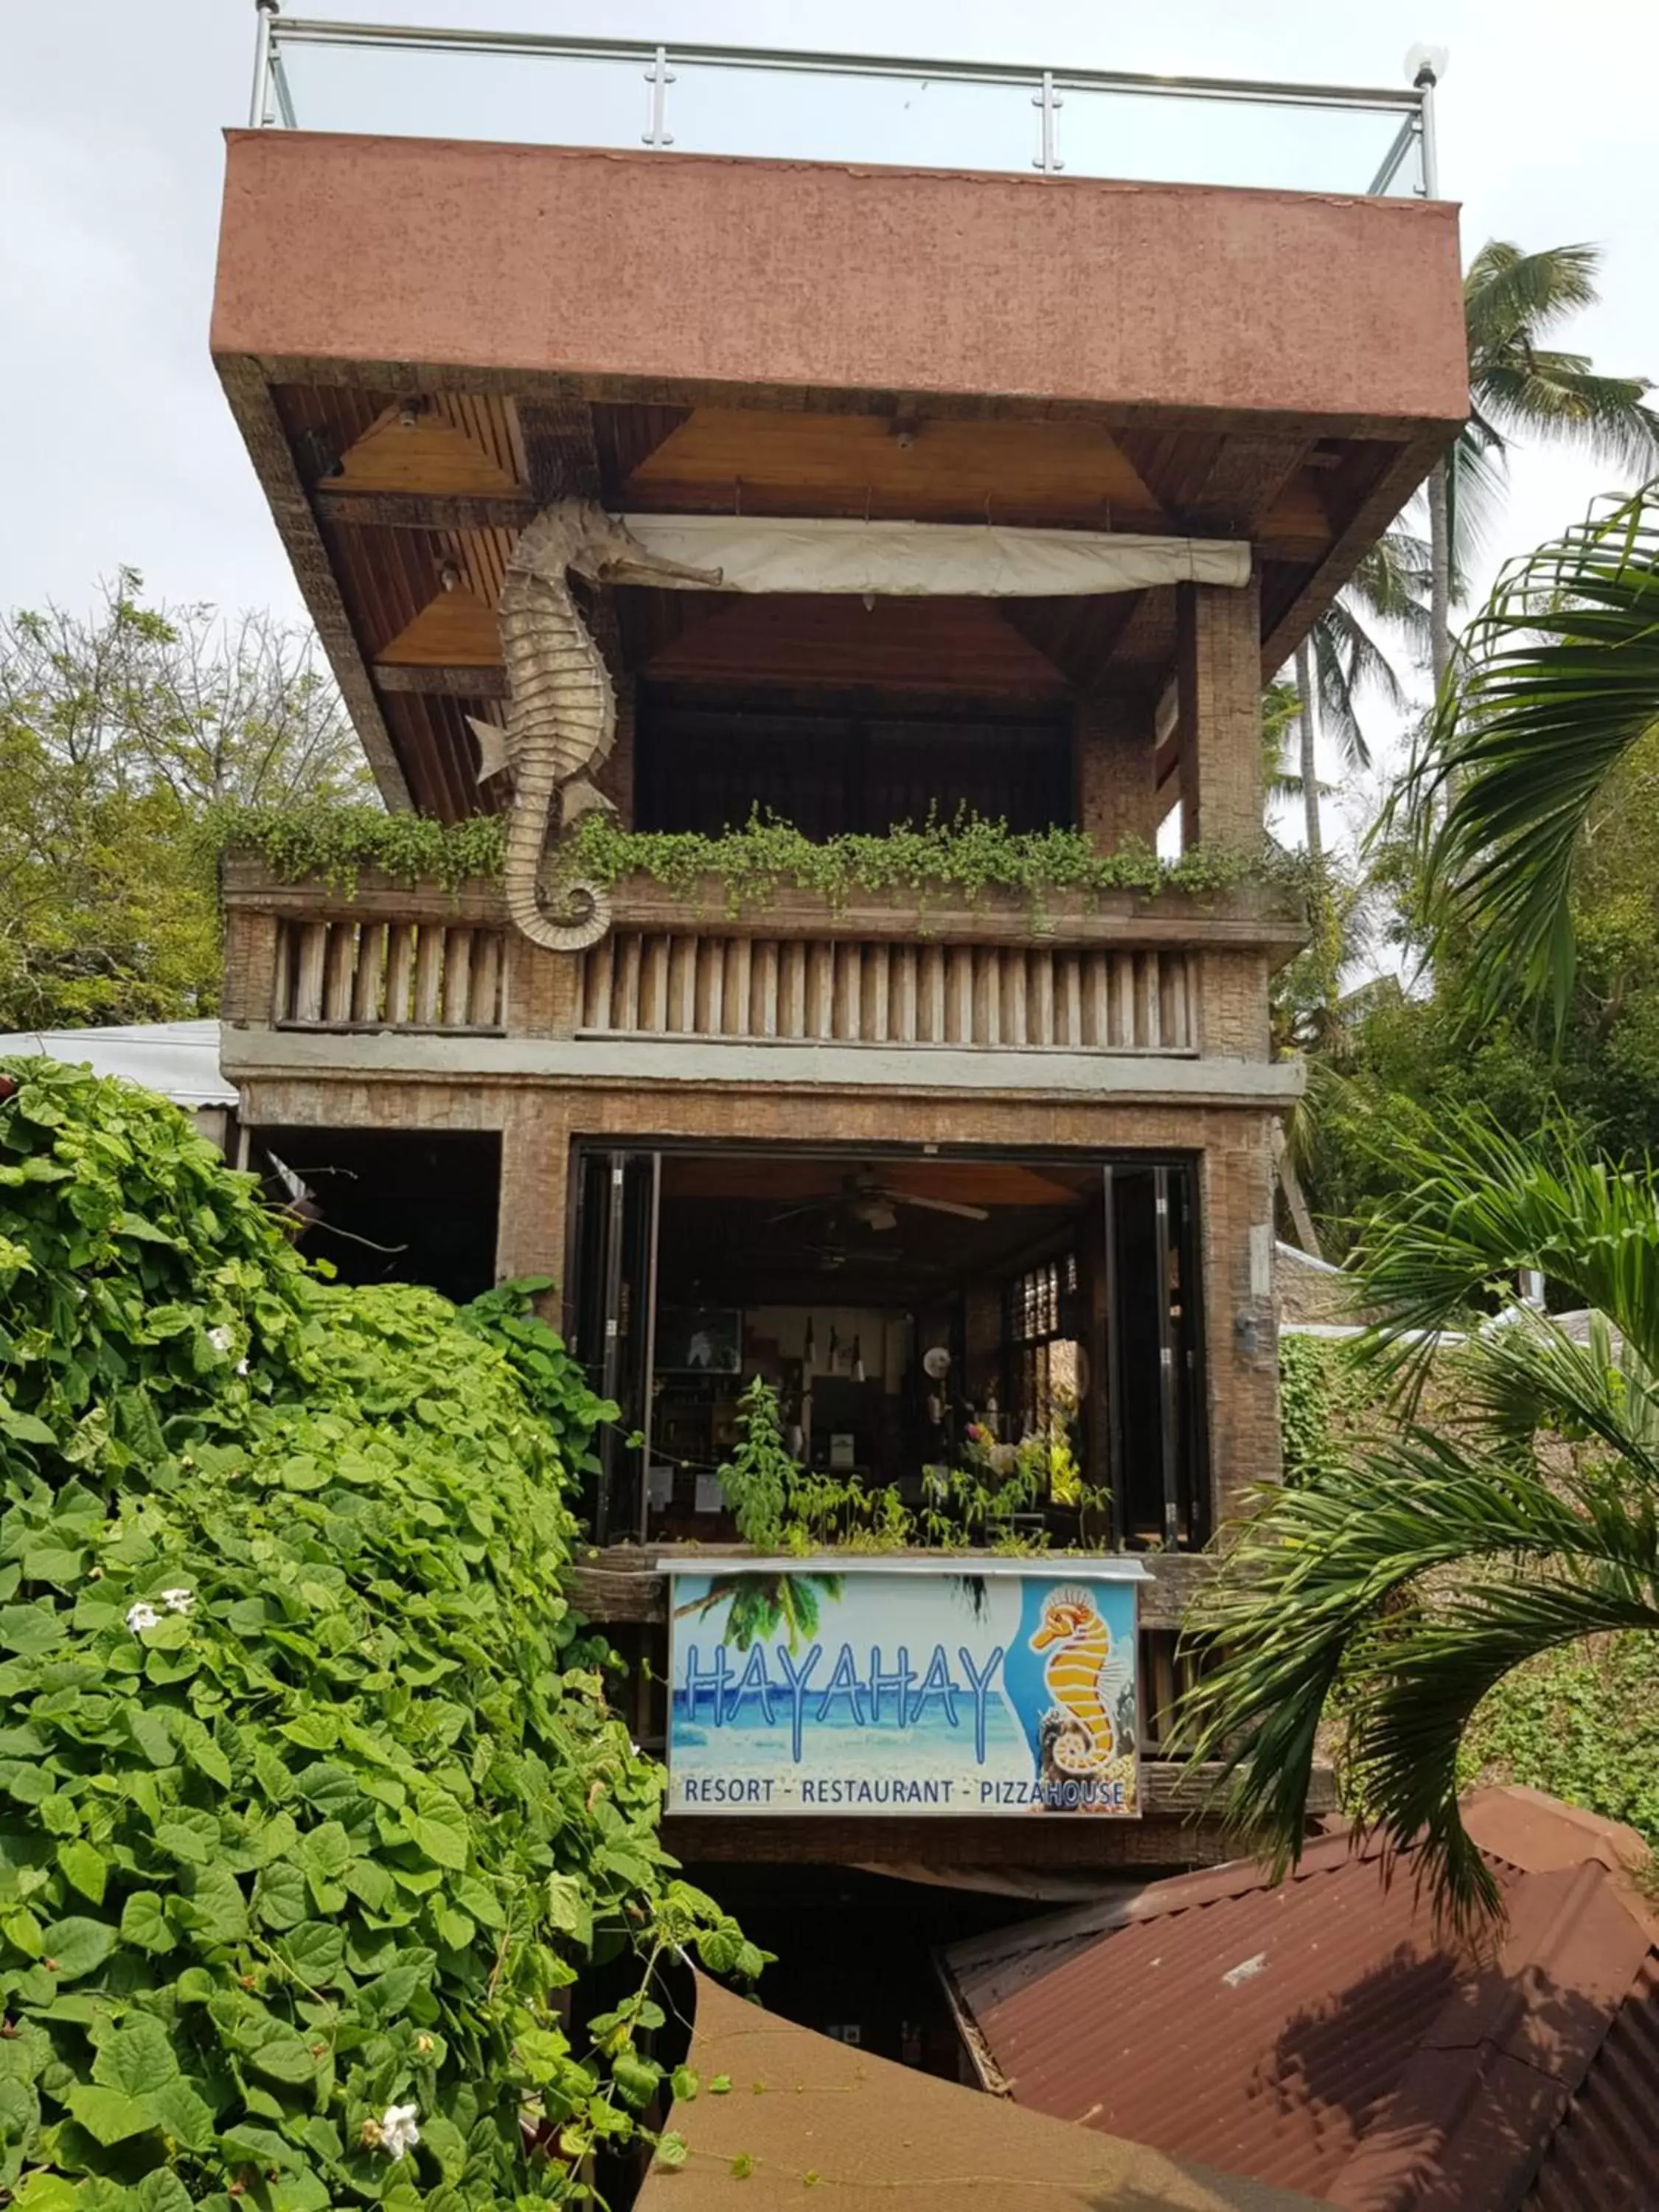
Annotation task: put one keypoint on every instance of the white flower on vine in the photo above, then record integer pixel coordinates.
(399, 2132)
(141, 1616)
(241, 1367)
(221, 1340)
(178, 1600)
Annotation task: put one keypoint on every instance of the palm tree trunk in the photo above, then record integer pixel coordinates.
(1295, 1199)
(1439, 575)
(1306, 724)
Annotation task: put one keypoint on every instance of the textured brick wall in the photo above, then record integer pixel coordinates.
(1113, 750)
(1219, 665)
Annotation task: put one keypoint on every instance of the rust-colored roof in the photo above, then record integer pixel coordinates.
(1323, 2035)
(809, 2121)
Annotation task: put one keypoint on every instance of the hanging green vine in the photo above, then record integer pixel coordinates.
(966, 860)
(312, 1805)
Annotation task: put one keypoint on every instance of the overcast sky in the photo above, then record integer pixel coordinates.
(119, 446)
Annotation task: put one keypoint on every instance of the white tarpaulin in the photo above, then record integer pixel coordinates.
(920, 560)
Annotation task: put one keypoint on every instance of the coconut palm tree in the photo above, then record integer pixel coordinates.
(1560, 680)
(1520, 386)
(1391, 1591)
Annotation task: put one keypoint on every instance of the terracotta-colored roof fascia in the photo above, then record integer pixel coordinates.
(1538, 1833)
(1477, 2106)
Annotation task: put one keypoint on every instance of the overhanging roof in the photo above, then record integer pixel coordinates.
(424, 340)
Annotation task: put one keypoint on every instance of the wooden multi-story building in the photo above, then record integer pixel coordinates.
(914, 1158)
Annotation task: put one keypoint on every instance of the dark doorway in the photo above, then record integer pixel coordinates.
(390, 1206)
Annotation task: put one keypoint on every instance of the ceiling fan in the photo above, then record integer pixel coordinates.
(866, 1198)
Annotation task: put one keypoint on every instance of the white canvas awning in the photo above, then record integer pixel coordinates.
(917, 560)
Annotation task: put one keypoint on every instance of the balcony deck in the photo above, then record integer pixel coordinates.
(1124, 994)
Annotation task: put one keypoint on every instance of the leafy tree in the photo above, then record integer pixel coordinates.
(313, 1813)
(119, 733)
(1399, 1582)
(1520, 386)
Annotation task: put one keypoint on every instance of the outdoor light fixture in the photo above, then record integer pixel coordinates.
(1427, 65)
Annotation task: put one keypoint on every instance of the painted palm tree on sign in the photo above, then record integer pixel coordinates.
(1391, 1591)
(1560, 681)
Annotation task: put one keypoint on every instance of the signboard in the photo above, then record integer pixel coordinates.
(904, 1687)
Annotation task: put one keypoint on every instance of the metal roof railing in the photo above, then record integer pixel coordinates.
(406, 81)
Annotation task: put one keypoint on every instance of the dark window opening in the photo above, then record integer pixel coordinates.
(389, 1206)
(707, 769)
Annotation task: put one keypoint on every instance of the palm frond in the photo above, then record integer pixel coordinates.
(1508, 294)
(1391, 584)
(1560, 680)
(1558, 396)
(1408, 1583)
(1476, 482)
(1346, 659)
(1482, 1207)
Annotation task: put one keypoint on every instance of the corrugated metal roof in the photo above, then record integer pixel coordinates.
(1323, 2035)
(1602, 2154)
(809, 2120)
(178, 1059)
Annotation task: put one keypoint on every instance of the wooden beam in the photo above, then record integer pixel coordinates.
(561, 452)
(422, 510)
(261, 426)
(468, 681)
(1242, 484)
(1392, 488)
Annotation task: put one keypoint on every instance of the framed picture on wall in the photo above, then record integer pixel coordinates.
(699, 1339)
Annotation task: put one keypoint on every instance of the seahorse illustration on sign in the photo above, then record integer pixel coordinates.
(561, 715)
(1078, 1735)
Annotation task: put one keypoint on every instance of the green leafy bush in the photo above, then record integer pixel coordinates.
(963, 858)
(1583, 1723)
(310, 1805)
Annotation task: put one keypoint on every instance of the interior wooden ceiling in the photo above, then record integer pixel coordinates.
(414, 504)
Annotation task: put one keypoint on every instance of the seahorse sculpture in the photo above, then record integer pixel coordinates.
(1084, 1680)
(562, 712)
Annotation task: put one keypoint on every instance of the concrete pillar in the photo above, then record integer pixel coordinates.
(1220, 674)
(1113, 751)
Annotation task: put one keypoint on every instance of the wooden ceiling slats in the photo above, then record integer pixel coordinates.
(933, 644)
(431, 735)
(455, 630)
(906, 469)
(483, 458)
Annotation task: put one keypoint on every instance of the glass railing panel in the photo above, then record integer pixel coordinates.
(1167, 138)
(517, 96)
(795, 114)
(521, 89)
